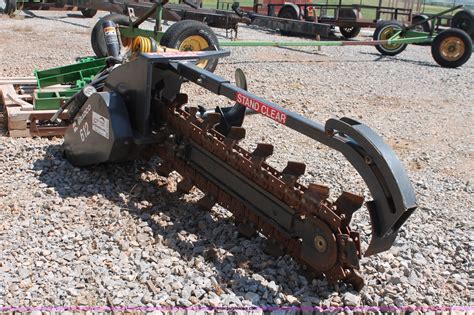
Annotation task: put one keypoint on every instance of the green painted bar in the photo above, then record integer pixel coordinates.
(78, 74)
(409, 38)
(412, 40)
(278, 44)
(51, 100)
(70, 73)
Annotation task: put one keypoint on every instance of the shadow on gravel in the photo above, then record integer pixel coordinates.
(379, 58)
(136, 188)
(397, 58)
(3, 122)
(76, 16)
(30, 15)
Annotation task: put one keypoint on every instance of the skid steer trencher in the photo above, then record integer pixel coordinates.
(137, 108)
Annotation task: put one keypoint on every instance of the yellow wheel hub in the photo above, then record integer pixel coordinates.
(452, 48)
(386, 34)
(195, 43)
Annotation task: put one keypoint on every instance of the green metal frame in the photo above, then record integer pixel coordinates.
(410, 37)
(79, 74)
(132, 30)
(82, 73)
(52, 100)
(405, 36)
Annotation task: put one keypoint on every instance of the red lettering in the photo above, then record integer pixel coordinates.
(260, 107)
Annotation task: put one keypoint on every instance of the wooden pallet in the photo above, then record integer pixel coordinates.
(16, 98)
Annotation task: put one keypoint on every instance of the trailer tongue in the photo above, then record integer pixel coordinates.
(139, 108)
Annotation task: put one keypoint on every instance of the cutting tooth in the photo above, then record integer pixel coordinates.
(234, 136)
(211, 119)
(207, 202)
(348, 253)
(247, 229)
(336, 273)
(163, 170)
(356, 237)
(181, 99)
(272, 248)
(185, 185)
(317, 192)
(292, 172)
(261, 153)
(193, 111)
(347, 204)
(354, 278)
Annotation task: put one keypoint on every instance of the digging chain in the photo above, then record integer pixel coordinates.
(319, 236)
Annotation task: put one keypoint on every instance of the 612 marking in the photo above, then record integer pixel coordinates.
(84, 131)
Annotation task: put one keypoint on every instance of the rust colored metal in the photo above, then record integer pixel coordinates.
(323, 241)
(39, 129)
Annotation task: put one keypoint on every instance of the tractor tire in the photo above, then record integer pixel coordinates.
(451, 48)
(464, 20)
(384, 31)
(9, 8)
(349, 32)
(425, 26)
(190, 35)
(97, 36)
(88, 13)
(288, 12)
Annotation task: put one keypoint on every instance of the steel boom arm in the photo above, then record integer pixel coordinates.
(393, 196)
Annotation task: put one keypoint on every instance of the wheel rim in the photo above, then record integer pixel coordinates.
(452, 48)
(195, 43)
(348, 29)
(419, 28)
(385, 34)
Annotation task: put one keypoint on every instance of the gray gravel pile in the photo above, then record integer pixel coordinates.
(120, 234)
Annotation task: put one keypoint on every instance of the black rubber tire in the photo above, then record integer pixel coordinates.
(349, 32)
(10, 7)
(424, 27)
(387, 51)
(88, 13)
(464, 20)
(97, 36)
(288, 12)
(436, 48)
(180, 31)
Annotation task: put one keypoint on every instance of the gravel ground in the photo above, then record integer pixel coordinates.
(119, 234)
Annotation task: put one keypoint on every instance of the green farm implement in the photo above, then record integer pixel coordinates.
(30, 102)
(79, 74)
(450, 47)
